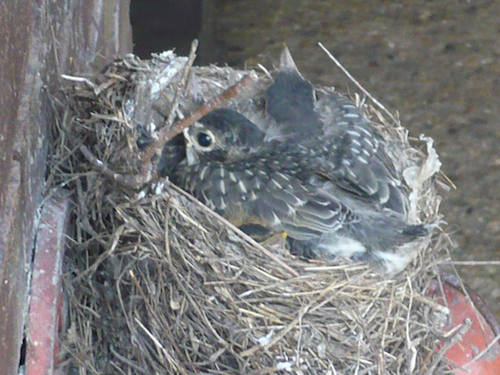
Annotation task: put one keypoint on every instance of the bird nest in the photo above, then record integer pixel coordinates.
(158, 283)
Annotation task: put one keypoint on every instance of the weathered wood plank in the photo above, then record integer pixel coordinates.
(39, 39)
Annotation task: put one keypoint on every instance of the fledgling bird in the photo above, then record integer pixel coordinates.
(359, 154)
(290, 187)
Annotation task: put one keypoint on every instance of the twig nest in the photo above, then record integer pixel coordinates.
(157, 283)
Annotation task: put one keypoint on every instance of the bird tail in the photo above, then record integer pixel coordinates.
(412, 232)
(397, 249)
(388, 233)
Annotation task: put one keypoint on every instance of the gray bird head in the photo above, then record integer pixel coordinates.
(223, 135)
(290, 99)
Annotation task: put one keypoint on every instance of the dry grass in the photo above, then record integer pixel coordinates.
(157, 283)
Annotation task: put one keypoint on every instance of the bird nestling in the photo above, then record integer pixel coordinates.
(299, 188)
(359, 153)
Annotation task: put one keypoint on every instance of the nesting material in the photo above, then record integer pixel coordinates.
(157, 283)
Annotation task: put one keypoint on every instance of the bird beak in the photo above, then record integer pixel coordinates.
(287, 63)
(191, 156)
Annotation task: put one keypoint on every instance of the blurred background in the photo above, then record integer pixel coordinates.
(437, 63)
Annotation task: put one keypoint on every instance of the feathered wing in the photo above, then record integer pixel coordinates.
(356, 155)
(173, 153)
(359, 160)
(276, 199)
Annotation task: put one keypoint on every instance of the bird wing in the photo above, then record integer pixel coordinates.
(173, 153)
(355, 151)
(357, 154)
(270, 197)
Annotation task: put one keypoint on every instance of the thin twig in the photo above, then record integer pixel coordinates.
(165, 134)
(171, 338)
(384, 332)
(182, 83)
(241, 234)
(160, 346)
(471, 262)
(482, 352)
(459, 335)
(346, 72)
(434, 305)
(127, 180)
(278, 337)
(315, 304)
(410, 344)
(166, 231)
(112, 247)
(127, 361)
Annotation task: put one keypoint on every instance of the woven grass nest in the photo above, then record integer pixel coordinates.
(158, 283)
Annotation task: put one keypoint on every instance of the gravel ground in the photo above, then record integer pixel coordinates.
(435, 62)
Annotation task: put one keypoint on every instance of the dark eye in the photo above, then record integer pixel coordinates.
(204, 140)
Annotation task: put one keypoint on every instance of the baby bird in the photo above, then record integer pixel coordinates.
(357, 151)
(291, 187)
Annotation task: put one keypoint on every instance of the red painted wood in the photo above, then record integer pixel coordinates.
(46, 293)
(476, 339)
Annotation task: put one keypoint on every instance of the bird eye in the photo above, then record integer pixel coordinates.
(204, 139)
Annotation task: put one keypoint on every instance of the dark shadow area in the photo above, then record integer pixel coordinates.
(160, 25)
